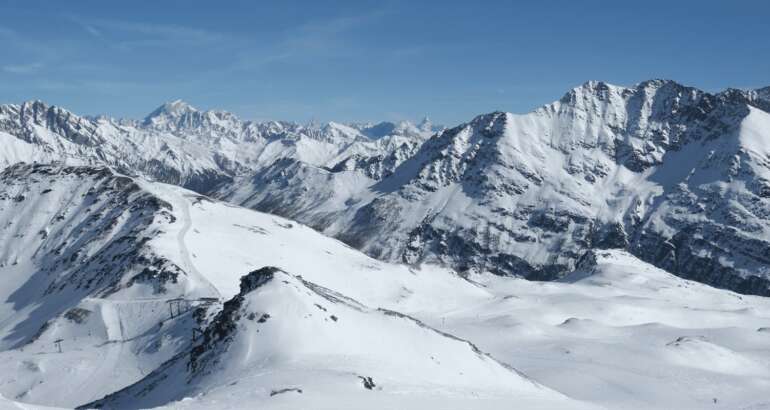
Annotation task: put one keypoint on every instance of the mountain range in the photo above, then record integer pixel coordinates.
(675, 175)
(608, 250)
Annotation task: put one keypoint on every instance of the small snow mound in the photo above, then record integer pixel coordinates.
(700, 352)
(578, 325)
(575, 322)
(686, 339)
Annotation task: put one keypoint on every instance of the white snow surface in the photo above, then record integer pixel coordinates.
(617, 333)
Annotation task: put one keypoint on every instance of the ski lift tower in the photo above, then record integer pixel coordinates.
(180, 305)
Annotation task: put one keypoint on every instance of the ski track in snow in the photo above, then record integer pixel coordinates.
(180, 238)
(112, 322)
(184, 251)
(115, 333)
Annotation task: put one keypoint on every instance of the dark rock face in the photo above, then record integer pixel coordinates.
(220, 332)
(77, 315)
(79, 231)
(690, 255)
(610, 236)
(101, 238)
(257, 278)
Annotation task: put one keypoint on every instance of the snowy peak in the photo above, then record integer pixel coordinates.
(764, 93)
(607, 166)
(383, 129)
(28, 119)
(283, 335)
(598, 97)
(379, 130)
(591, 89)
(760, 98)
(426, 125)
(183, 120)
(172, 110)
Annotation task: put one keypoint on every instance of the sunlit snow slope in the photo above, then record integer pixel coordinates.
(284, 342)
(103, 254)
(678, 176)
(91, 258)
(675, 175)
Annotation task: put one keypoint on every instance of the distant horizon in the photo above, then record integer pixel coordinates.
(367, 61)
(413, 121)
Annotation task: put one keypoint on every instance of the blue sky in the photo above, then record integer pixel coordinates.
(367, 60)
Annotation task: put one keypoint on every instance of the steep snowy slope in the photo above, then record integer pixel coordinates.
(677, 176)
(315, 348)
(71, 232)
(92, 259)
(78, 266)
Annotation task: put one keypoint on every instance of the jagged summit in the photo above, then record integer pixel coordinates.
(174, 114)
(425, 124)
(36, 103)
(519, 194)
(528, 194)
(658, 83)
(607, 92)
(175, 108)
(763, 94)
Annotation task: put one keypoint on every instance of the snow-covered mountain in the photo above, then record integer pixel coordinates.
(179, 144)
(677, 176)
(80, 264)
(158, 296)
(106, 278)
(283, 335)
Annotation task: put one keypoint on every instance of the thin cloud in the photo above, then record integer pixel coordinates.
(22, 68)
(326, 37)
(12, 38)
(92, 30)
(147, 34)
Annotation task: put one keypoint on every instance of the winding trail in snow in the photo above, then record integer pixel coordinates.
(195, 287)
(180, 237)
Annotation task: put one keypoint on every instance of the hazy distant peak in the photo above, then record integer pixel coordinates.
(170, 110)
